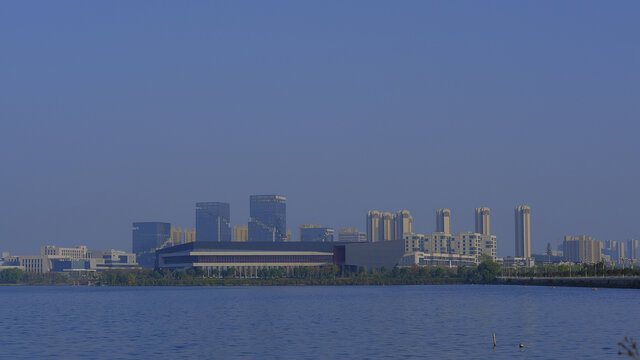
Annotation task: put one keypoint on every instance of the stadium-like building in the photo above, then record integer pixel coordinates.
(247, 257)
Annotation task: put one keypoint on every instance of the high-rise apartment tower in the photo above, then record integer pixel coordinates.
(483, 224)
(443, 221)
(373, 226)
(523, 231)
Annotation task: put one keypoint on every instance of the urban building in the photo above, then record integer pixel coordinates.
(443, 221)
(466, 243)
(436, 259)
(633, 251)
(213, 221)
(582, 249)
(351, 235)
(523, 231)
(404, 224)
(247, 258)
(189, 235)
(267, 218)
(148, 236)
(240, 233)
(614, 250)
(57, 259)
(373, 225)
(483, 221)
(387, 227)
(313, 232)
(176, 236)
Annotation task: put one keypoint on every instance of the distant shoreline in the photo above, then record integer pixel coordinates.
(629, 282)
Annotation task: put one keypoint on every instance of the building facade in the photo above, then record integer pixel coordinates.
(633, 250)
(189, 235)
(582, 249)
(404, 224)
(467, 243)
(213, 221)
(351, 235)
(240, 233)
(523, 231)
(373, 225)
(318, 233)
(483, 221)
(267, 218)
(443, 221)
(148, 236)
(176, 236)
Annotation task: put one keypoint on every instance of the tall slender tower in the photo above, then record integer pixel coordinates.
(443, 221)
(404, 224)
(373, 226)
(387, 227)
(483, 225)
(523, 231)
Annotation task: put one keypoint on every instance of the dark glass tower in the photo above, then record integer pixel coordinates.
(148, 236)
(267, 218)
(213, 221)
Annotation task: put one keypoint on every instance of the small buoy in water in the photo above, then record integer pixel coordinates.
(553, 287)
(594, 289)
(521, 345)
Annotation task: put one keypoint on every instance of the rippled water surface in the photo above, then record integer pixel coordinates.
(393, 322)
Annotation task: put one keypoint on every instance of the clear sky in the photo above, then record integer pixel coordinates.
(115, 112)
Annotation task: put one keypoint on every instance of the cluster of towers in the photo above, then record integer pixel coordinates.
(384, 226)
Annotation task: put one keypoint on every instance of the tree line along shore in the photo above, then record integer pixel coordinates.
(487, 272)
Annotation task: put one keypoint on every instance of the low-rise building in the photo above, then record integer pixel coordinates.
(466, 243)
(351, 235)
(57, 259)
(437, 259)
(315, 233)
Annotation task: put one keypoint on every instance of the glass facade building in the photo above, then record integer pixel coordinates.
(148, 236)
(322, 234)
(213, 221)
(267, 218)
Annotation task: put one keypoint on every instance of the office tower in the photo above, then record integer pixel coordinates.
(240, 233)
(189, 235)
(213, 221)
(483, 225)
(404, 224)
(149, 236)
(176, 236)
(373, 225)
(633, 250)
(387, 227)
(523, 231)
(288, 237)
(582, 249)
(351, 235)
(317, 233)
(443, 221)
(267, 218)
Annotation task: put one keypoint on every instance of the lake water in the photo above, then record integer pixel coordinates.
(368, 322)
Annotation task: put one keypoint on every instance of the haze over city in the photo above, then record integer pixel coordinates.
(341, 108)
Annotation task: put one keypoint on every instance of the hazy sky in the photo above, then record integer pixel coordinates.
(114, 112)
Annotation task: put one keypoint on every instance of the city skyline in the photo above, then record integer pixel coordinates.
(343, 108)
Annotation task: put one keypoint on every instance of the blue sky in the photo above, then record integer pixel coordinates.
(132, 111)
